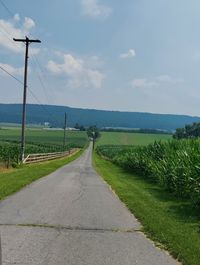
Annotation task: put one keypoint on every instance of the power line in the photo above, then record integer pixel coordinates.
(41, 80)
(8, 35)
(29, 89)
(39, 76)
(8, 38)
(31, 92)
(40, 104)
(3, 69)
(3, 32)
(12, 14)
(6, 8)
(35, 59)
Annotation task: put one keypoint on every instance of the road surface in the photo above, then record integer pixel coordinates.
(71, 217)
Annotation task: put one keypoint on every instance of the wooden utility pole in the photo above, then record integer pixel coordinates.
(27, 41)
(65, 125)
(93, 140)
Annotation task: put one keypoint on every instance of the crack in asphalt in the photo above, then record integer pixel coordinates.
(76, 228)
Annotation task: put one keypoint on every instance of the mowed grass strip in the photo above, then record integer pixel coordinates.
(168, 221)
(15, 179)
(124, 138)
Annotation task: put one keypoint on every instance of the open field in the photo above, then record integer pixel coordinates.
(170, 221)
(41, 136)
(18, 125)
(118, 138)
(37, 141)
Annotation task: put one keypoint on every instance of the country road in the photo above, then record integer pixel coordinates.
(71, 217)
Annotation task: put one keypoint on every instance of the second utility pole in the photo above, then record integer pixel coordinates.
(65, 126)
(27, 41)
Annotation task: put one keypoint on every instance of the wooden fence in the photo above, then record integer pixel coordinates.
(35, 158)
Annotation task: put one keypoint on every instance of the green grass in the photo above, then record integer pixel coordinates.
(15, 179)
(119, 138)
(18, 125)
(38, 136)
(165, 219)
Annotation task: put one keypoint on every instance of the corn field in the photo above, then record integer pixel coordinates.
(175, 164)
(10, 151)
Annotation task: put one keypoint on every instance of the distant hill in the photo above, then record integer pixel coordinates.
(37, 114)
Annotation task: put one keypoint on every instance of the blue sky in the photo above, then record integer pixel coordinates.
(135, 55)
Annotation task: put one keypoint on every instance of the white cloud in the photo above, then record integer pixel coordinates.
(94, 61)
(130, 54)
(94, 9)
(143, 83)
(28, 23)
(16, 17)
(79, 74)
(169, 79)
(158, 81)
(10, 29)
(12, 70)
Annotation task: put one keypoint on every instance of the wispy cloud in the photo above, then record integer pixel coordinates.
(169, 79)
(143, 83)
(130, 54)
(12, 70)
(155, 82)
(10, 28)
(94, 9)
(77, 71)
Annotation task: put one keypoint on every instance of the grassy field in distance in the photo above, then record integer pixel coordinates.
(120, 138)
(43, 136)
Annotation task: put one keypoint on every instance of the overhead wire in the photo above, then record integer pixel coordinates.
(8, 36)
(14, 77)
(7, 9)
(32, 56)
(39, 73)
(29, 89)
(40, 104)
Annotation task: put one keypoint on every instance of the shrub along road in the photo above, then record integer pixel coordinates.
(72, 217)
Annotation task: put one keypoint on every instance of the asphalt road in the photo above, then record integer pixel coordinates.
(71, 217)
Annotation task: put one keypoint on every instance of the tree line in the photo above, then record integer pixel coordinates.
(189, 131)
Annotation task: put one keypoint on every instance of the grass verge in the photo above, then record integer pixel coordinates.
(15, 179)
(169, 221)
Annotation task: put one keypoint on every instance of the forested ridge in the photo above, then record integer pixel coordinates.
(37, 114)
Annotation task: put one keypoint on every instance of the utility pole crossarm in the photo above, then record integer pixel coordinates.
(27, 39)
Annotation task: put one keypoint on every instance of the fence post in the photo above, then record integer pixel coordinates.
(8, 162)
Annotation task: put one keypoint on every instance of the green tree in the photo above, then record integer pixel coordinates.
(93, 133)
(179, 134)
(189, 131)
